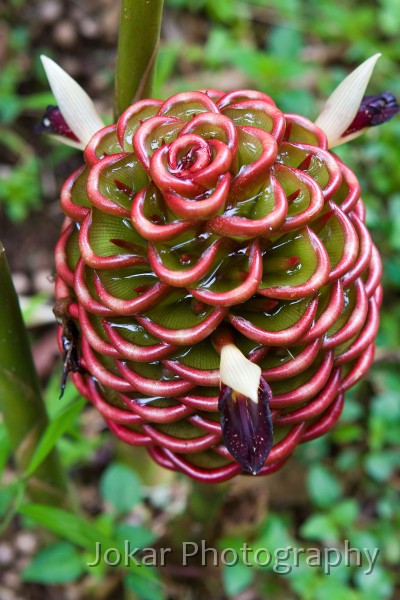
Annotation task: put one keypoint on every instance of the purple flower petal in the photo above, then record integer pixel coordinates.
(374, 110)
(247, 426)
(54, 122)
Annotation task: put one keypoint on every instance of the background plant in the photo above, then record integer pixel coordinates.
(298, 52)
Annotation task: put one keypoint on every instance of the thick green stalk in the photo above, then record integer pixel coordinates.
(21, 403)
(139, 33)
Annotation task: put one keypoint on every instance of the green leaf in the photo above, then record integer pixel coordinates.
(4, 448)
(274, 533)
(380, 465)
(80, 449)
(166, 60)
(53, 432)
(223, 10)
(20, 189)
(378, 583)
(348, 459)
(323, 487)
(285, 42)
(331, 589)
(387, 406)
(145, 590)
(7, 496)
(36, 101)
(55, 564)
(68, 526)
(346, 433)
(365, 539)
(121, 487)
(54, 404)
(319, 527)
(83, 533)
(345, 513)
(138, 536)
(304, 579)
(352, 410)
(237, 578)
(314, 451)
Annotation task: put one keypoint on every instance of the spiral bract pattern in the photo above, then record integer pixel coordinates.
(205, 210)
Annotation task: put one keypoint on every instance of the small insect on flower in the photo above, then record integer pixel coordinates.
(70, 340)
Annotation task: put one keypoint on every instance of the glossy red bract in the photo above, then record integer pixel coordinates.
(211, 210)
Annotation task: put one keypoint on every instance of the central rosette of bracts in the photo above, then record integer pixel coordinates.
(212, 215)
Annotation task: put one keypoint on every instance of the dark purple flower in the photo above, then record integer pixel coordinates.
(53, 122)
(247, 426)
(374, 110)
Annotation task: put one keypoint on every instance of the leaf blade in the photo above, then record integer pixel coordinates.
(53, 432)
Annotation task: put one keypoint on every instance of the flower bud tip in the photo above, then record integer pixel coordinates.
(75, 105)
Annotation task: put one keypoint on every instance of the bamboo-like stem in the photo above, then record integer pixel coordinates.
(139, 33)
(21, 403)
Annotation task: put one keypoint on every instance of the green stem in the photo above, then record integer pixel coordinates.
(139, 33)
(21, 403)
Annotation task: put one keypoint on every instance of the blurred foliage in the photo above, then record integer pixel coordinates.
(297, 51)
(20, 187)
